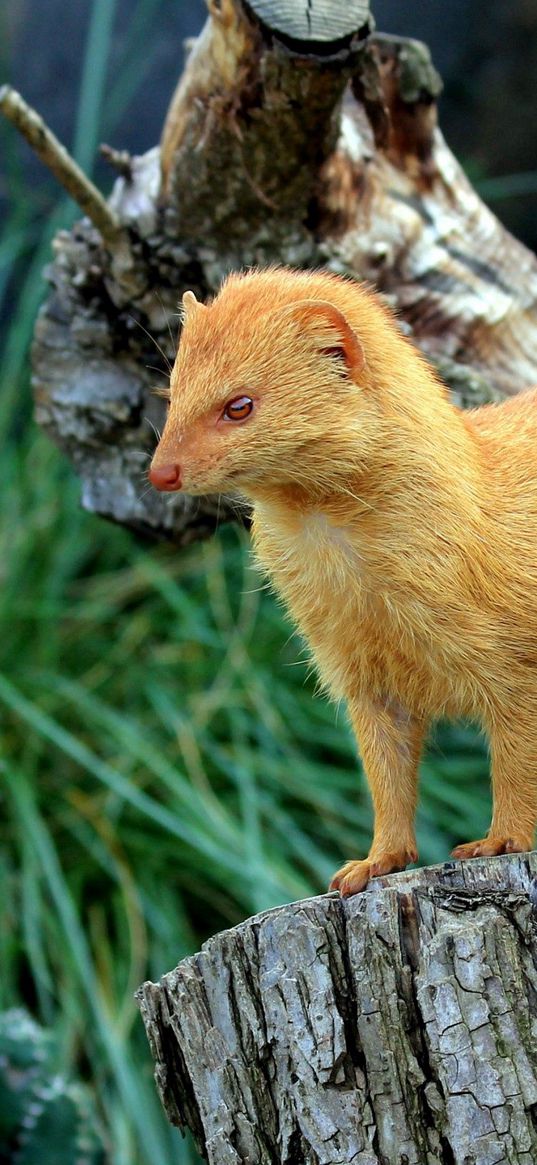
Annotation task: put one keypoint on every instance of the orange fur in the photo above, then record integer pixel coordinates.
(400, 532)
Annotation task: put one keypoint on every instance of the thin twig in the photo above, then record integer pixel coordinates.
(65, 169)
(121, 160)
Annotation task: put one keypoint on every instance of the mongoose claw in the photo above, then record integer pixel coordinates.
(354, 875)
(488, 847)
(351, 878)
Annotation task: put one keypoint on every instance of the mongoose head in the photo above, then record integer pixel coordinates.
(265, 386)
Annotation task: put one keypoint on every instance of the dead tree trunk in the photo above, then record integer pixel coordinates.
(395, 1028)
(296, 135)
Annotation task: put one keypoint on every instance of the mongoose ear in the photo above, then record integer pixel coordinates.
(190, 304)
(330, 331)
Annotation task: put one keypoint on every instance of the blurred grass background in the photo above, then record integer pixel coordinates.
(166, 767)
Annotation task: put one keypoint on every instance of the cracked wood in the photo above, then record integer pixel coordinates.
(394, 1028)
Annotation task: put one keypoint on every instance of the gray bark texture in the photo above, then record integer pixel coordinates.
(398, 1027)
(296, 135)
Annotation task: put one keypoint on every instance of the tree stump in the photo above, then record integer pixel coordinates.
(296, 135)
(397, 1027)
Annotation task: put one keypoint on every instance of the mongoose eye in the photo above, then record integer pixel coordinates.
(238, 409)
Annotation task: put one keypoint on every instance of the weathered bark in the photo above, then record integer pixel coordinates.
(296, 136)
(395, 1028)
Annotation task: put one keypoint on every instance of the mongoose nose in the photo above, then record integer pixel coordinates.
(165, 477)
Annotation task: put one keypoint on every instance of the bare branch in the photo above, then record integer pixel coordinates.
(63, 166)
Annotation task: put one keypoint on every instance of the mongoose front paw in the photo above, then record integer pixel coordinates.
(351, 878)
(354, 876)
(488, 847)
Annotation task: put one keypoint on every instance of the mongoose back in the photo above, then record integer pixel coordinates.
(400, 531)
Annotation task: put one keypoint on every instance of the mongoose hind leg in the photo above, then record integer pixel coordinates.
(390, 741)
(514, 786)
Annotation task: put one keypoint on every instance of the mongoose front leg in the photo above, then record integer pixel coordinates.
(514, 788)
(390, 742)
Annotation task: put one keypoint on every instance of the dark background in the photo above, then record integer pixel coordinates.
(485, 51)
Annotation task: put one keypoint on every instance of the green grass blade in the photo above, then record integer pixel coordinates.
(77, 949)
(93, 83)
